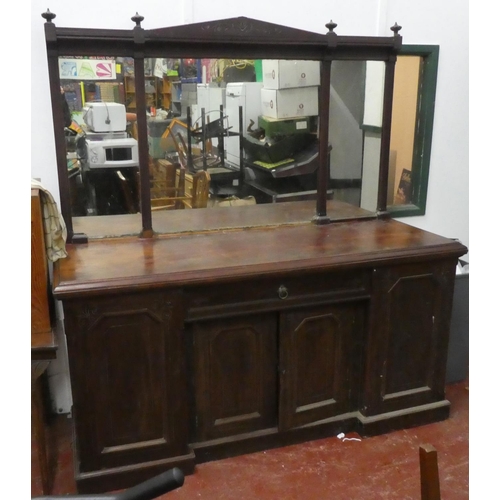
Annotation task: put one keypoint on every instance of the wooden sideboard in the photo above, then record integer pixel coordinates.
(192, 347)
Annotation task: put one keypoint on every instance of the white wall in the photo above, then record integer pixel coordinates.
(443, 23)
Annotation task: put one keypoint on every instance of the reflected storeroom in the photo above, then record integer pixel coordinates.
(250, 125)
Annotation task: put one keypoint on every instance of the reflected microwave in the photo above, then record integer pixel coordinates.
(112, 153)
(105, 116)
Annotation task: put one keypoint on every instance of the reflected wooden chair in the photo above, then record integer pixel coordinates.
(181, 137)
(198, 189)
(173, 188)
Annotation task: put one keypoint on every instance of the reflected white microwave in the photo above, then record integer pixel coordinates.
(105, 116)
(112, 153)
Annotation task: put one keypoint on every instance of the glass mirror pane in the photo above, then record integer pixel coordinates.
(356, 103)
(404, 122)
(101, 141)
(231, 133)
(220, 133)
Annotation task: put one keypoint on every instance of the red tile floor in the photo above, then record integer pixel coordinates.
(381, 467)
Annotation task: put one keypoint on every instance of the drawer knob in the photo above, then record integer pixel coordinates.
(282, 292)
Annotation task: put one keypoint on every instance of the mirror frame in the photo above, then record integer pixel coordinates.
(239, 37)
(423, 129)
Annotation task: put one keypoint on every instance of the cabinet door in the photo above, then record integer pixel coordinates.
(128, 378)
(317, 351)
(409, 329)
(235, 375)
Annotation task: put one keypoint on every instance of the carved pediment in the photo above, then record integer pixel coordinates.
(242, 28)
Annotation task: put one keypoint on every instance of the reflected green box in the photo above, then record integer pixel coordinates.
(258, 70)
(285, 126)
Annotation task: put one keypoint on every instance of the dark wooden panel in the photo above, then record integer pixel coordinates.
(40, 312)
(267, 439)
(127, 366)
(412, 301)
(235, 375)
(275, 293)
(316, 362)
(407, 348)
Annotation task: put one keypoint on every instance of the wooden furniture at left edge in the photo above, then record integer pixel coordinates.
(188, 348)
(43, 343)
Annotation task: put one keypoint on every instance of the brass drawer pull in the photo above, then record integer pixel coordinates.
(282, 292)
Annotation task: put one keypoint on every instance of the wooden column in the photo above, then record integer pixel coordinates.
(324, 119)
(324, 167)
(142, 129)
(385, 142)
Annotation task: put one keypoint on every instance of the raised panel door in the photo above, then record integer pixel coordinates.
(318, 347)
(128, 378)
(235, 378)
(407, 346)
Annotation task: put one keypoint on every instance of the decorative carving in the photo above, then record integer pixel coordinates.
(239, 26)
(331, 26)
(163, 309)
(48, 16)
(395, 29)
(137, 19)
(88, 315)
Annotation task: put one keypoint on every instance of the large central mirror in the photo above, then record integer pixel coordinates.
(222, 133)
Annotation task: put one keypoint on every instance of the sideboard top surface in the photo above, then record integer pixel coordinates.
(128, 264)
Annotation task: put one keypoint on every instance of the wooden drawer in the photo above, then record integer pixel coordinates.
(277, 293)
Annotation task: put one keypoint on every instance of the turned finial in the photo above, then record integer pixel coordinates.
(48, 16)
(137, 19)
(395, 29)
(331, 26)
